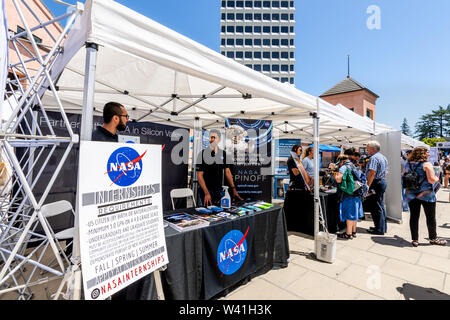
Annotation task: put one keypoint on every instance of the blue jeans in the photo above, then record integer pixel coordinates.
(377, 209)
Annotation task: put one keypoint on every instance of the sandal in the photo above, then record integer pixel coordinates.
(438, 242)
(354, 234)
(415, 243)
(345, 236)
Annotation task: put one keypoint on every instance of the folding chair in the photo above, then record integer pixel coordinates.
(181, 193)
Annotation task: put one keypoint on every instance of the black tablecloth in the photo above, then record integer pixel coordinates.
(192, 272)
(299, 210)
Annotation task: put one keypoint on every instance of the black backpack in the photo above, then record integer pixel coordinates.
(411, 179)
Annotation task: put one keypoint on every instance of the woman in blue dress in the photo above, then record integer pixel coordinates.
(424, 197)
(351, 204)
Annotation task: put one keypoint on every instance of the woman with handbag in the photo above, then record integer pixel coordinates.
(419, 180)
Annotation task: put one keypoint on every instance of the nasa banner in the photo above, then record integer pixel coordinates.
(249, 142)
(228, 254)
(120, 215)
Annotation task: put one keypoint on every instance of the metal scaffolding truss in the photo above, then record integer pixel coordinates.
(27, 144)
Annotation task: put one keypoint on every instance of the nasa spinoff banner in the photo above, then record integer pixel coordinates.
(120, 215)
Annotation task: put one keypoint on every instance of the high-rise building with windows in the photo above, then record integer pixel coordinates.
(260, 34)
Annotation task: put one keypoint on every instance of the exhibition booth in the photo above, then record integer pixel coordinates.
(169, 84)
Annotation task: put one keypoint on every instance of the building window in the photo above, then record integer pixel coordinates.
(239, 29)
(239, 42)
(266, 55)
(369, 114)
(248, 16)
(284, 16)
(275, 42)
(239, 54)
(248, 55)
(291, 41)
(224, 4)
(266, 29)
(266, 4)
(230, 16)
(257, 55)
(283, 80)
(284, 55)
(230, 29)
(275, 4)
(257, 29)
(291, 55)
(275, 67)
(284, 68)
(266, 67)
(248, 4)
(249, 66)
(291, 67)
(230, 42)
(222, 29)
(275, 29)
(222, 16)
(248, 29)
(257, 67)
(230, 54)
(266, 16)
(248, 42)
(222, 52)
(266, 42)
(222, 42)
(257, 16)
(291, 80)
(291, 29)
(284, 42)
(285, 4)
(276, 78)
(257, 4)
(239, 4)
(352, 109)
(275, 55)
(239, 16)
(230, 4)
(284, 30)
(292, 4)
(25, 36)
(257, 42)
(292, 16)
(276, 16)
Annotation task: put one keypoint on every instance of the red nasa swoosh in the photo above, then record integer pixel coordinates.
(239, 243)
(132, 161)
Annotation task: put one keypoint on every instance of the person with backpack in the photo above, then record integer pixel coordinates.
(351, 190)
(420, 185)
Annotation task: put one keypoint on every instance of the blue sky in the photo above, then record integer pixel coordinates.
(406, 62)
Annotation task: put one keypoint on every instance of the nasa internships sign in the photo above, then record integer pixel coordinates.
(120, 215)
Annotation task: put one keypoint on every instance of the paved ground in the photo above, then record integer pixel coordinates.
(368, 267)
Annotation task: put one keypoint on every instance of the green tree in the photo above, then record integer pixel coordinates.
(435, 124)
(441, 119)
(426, 128)
(405, 127)
(432, 141)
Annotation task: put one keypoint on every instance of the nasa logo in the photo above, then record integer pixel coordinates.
(124, 166)
(267, 123)
(231, 252)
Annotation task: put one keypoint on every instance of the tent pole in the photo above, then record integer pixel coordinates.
(316, 176)
(197, 148)
(87, 120)
(87, 117)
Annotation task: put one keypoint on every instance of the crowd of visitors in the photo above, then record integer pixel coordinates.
(361, 184)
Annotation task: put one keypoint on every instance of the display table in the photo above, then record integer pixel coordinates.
(194, 273)
(299, 210)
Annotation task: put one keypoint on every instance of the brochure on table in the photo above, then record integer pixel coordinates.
(120, 215)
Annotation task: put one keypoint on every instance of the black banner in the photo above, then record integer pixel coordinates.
(174, 175)
(249, 141)
(228, 255)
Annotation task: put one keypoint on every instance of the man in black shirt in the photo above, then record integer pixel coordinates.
(115, 118)
(212, 164)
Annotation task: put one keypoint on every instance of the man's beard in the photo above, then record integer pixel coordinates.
(121, 127)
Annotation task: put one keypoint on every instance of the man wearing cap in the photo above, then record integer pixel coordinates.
(376, 171)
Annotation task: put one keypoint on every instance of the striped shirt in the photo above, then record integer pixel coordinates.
(379, 164)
